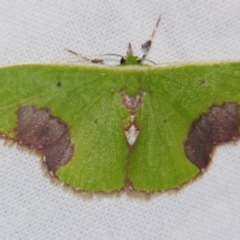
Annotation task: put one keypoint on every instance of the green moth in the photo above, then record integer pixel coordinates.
(128, 127)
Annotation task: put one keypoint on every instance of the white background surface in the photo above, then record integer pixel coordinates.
(38, 31)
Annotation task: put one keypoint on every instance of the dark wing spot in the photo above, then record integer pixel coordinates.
(39, 130)
(219, 125)
(203, 81)
(59, 84)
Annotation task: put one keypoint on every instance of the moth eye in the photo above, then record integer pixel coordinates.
(123, 60)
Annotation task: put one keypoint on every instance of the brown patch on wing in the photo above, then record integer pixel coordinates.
(39, 130)
(220, 125)
(132, 103)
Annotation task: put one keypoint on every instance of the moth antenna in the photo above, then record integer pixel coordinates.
(147, 45)
(111, 54)
(71, 51)
(94, 60)
(148, 60)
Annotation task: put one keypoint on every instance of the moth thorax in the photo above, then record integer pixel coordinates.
(132, 103)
